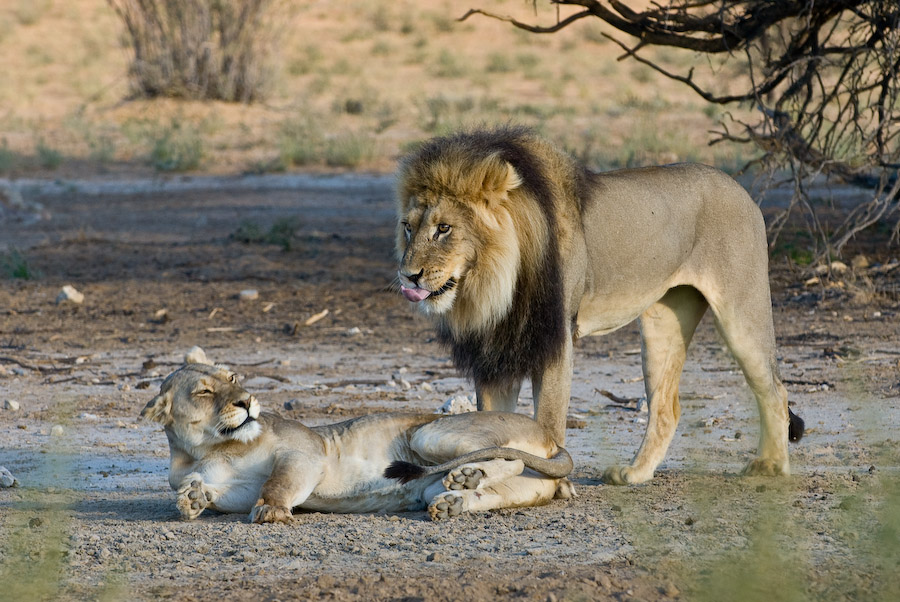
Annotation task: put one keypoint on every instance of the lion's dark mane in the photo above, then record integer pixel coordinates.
(531, 335)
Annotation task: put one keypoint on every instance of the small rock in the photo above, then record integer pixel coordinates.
(248, 295)
(104, 553)
(353, 331)
(69, 294)
(405, 385)
(6, 478)
(671, 591)
(35, 522)
(427, 387)
(293, 404)
(860, 262)
(459, 404)
(433, 557)
(11, 404)
(604, 582)
(738, 434)
(89, 417)
(57, 431)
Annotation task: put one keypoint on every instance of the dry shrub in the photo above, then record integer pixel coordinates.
(200, 49)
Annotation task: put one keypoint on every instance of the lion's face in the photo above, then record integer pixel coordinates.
(436, 243)
(457, 241)
(202, 404)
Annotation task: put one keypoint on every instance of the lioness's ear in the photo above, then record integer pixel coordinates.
(196, 355)
(159, 409)
(499, 177)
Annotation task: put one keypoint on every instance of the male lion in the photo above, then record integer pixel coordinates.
(229, 456)
(515, 250)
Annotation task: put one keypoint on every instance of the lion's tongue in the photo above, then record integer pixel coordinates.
(414, 294)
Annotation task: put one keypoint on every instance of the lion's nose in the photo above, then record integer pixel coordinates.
(414, 278)
(243, 403)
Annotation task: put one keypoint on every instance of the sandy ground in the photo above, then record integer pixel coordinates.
(93, 517)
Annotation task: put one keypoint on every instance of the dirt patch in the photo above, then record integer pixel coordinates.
(94, 517)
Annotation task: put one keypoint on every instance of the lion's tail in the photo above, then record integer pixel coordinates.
(795, 427)
(555, 468)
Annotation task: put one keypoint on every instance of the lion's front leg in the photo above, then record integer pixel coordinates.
(551, 389)
(289, 485)
(193, 496)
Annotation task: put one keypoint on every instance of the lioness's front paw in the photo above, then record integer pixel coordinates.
(264, 513)
(762, 467)
(464, 477)
(193, 498)
(446, 505)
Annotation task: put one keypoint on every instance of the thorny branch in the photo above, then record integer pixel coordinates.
(822, 78)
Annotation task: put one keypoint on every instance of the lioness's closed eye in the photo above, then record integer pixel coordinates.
(229, 456)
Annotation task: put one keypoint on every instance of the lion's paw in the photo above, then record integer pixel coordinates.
(623, 475)
(464, 477)
(762, 467)
(264, 513)
(193, 498)
(565, 490)
(446, 505)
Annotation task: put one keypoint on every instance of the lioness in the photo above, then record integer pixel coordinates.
(515, 250)
(229, 456)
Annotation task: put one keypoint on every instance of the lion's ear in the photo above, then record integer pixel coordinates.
(499, 177)
(159, 409)
(196, 355)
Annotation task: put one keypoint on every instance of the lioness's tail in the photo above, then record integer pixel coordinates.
(796, 427)
(555, 468)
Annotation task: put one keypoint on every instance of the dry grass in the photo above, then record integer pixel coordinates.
(369, 78)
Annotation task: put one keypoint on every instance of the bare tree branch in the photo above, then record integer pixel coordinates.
(823, 74)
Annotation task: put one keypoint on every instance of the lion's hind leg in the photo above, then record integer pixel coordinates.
(667, 327)
(479, 475)
(515, 492)
(746, 326)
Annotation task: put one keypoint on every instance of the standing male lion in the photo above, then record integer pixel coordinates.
(515, 250)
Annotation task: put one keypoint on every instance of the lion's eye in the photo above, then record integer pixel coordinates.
(204, 392)
(232, 378)
(441, 229)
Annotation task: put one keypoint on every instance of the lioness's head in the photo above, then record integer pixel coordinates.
(464, 228)
(202, 404)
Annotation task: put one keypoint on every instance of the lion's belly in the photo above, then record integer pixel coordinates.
(603, 313)
(379, 495)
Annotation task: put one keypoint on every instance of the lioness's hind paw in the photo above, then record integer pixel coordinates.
(193, 498)
(464, 477)
(446, 505)
(761, 467)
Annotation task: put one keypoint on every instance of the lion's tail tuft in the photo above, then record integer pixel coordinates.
(404, 471)
(795, 427)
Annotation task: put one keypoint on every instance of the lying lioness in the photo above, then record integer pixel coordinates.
(229, 456)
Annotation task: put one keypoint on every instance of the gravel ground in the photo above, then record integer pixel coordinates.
(162, 266)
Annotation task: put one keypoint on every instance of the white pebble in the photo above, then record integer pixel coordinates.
(57, 431)
(249, 295)
(460, 404)
(11, 404)
(6, 478)
(70, 294)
